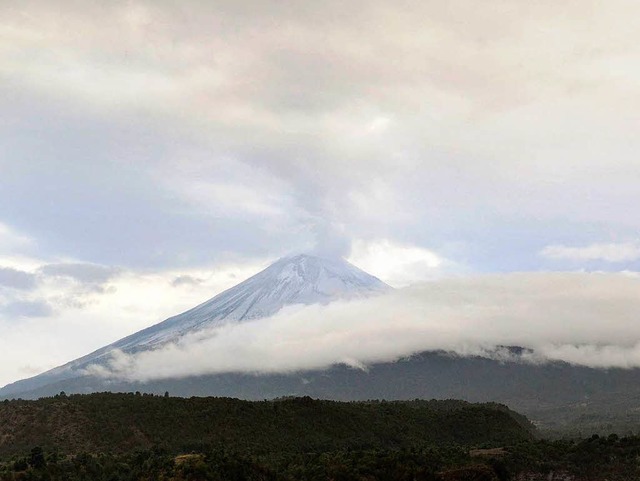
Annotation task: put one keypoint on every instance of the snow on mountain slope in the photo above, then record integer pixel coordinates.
(300, 279)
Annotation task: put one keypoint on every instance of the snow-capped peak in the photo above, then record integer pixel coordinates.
(299, 279)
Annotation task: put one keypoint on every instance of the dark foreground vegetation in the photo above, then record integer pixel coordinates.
(594, 459)
(121, 423)
(127, 437)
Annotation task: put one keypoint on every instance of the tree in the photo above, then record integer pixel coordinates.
(36, 459)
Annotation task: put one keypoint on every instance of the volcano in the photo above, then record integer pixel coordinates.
(300, 279)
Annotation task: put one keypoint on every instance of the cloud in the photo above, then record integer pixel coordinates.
(399, 265)
(612, 252)
(75, 284)
(586, 319)
(81, 272)
(17, 279)
(26, 309)
(330, 240)
(186, 280)
(154, 152)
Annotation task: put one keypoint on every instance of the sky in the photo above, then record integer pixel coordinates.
(154, 153)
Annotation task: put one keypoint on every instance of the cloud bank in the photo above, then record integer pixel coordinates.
(607, 252)
(586, 319)
(171, 135)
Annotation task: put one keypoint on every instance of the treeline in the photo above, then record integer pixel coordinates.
(223, 465)
(122, 423)
(596, 458)
(136, 437)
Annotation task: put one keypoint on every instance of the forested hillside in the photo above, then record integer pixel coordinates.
(137, 437)
(117, 423)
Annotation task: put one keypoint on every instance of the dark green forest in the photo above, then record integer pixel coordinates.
(120, 423)
(136, 437)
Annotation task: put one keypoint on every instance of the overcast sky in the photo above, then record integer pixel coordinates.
(154, 153)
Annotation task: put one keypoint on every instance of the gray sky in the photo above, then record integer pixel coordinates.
(153, 153)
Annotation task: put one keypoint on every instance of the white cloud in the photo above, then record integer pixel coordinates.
(612, 252)
(593, 355)
(397, 264)
(587, 319)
